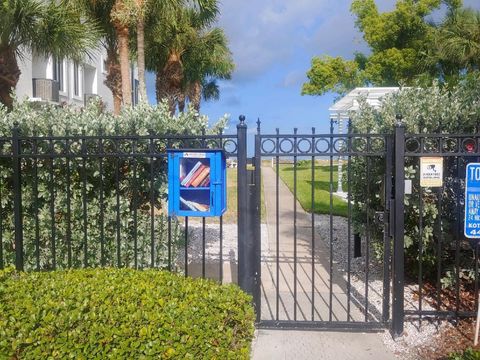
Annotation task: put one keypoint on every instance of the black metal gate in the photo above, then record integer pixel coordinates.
(322, 268)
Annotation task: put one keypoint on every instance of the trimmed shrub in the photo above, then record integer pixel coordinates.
(468, 354)
(121, 314)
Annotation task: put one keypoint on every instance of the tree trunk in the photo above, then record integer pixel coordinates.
(114, 78)
(9, 75)
(169, 81)
(141, 53)
(161, 87)
(195, 95)
(181, 102)
(124, 66)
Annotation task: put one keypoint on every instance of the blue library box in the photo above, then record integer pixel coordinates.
(197, 182)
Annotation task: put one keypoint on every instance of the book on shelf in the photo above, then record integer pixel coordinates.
(190, 174)
(194, 206)
(201, 176)
(195, 175)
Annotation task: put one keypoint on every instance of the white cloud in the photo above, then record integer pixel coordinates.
(267, 32)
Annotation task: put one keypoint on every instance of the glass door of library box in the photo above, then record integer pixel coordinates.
(196, 183)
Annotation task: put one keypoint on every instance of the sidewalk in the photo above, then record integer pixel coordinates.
(317, 293)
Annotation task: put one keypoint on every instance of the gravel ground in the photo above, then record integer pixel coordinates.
(212, 242)
(414, 336)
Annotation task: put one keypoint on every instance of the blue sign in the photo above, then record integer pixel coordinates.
(472, 201)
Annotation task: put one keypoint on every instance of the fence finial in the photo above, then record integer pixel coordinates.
(399, 120)
(258, 125)
(242, 119)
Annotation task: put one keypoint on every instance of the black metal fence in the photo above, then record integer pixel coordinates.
(81, 201)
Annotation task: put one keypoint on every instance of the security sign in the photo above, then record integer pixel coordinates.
(472, 201)
(431, 172)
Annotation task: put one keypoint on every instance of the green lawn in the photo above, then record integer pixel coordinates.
(321, 187)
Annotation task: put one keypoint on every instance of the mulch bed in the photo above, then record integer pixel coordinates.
(457, 337)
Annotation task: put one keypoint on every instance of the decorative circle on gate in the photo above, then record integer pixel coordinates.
(91, 146)
(304, 145)
(59, 147)
(359, 144)
(27, 147)
(213, 144)
(340, 145)
(268, 146)
(469, 145)
(289, 148)
(75, 147)
(431, 145)
(43, 147)
(142, 146)
(450, 145)
(322, 145)
(377, 144)
(230, 146)
(125, 146)
(412, 145)
(109, 147)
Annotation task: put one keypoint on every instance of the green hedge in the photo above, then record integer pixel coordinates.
(121, 314)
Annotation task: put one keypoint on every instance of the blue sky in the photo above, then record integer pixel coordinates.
(273, 42)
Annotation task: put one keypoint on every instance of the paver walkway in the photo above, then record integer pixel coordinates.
(319, 296)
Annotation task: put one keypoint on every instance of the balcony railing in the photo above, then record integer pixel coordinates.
(46, 89)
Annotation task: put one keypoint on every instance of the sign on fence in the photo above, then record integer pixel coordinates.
(472, 201)
(431, 171)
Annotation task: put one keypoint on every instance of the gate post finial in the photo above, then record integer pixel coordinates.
(399, 120)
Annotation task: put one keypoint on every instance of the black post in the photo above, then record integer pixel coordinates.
(399, 233)
(255, 222)
(242, 208)
(17, 198)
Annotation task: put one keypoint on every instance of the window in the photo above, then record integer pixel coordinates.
(58, 72)
(76, 79)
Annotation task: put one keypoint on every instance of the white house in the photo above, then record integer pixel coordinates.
(60, 81)
(341, 110)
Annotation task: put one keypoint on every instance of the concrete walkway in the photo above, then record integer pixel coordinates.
(304, 285)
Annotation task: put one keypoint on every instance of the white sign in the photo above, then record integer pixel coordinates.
(195, 155)
(431, 171)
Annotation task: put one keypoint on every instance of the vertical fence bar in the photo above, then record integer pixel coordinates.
(386, 228)
(203, 247)
(221, 251)
(35, 206)
(277, 227)
(398, 312)
(101, 203)
(135, 203)
(169, 245)
(295, 300)
(367, 232)
(330, 270)
(52, 203)
(17, 198)
(420, 255)
(152, 202)
(349, 221)
(257, 213)
(439, 250)
(246, 278)
(186, 246)
(313, 222)
(458, 230)
(117, 208)
(69, 203)
(84, 200)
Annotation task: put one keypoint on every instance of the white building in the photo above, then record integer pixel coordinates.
(61, 81)
(341, 110)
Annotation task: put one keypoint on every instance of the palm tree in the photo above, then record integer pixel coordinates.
(206, 60)
(122, 17)
(99, 12)
(459, 39)
(167, 44)
(43, 27)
